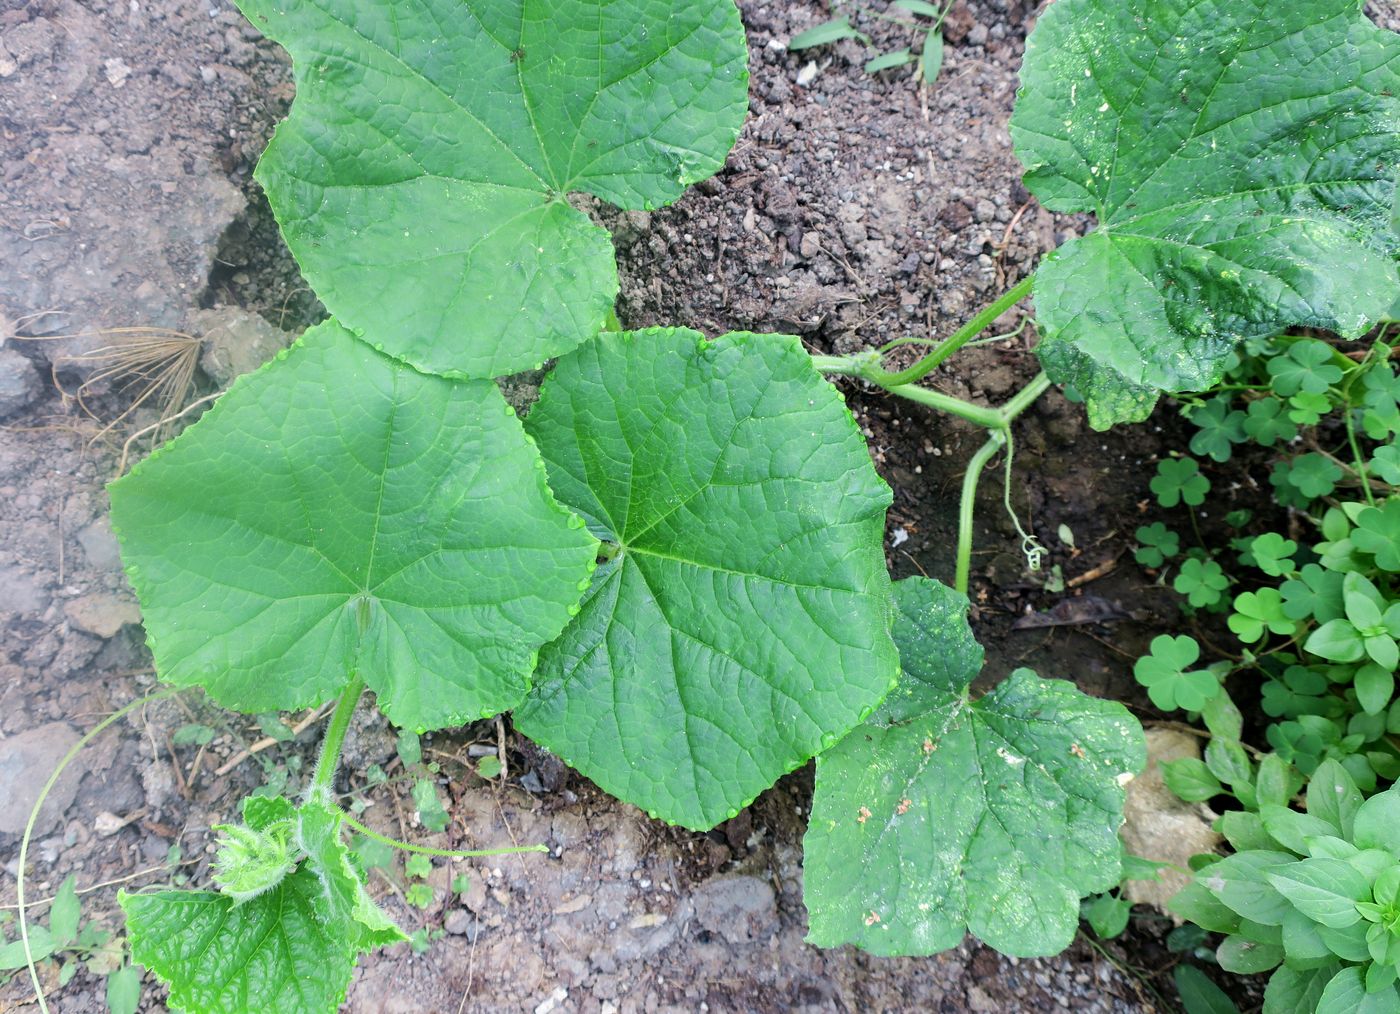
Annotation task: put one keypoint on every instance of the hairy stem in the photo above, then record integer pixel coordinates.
(335, 737)
(404, 846)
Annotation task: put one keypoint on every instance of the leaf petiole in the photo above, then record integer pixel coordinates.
(429, 851)
(335, 737)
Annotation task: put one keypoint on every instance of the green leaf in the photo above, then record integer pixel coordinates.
(1241, 882)
(1324, 890)
(742, 621)
(1247, 957)
(1377, 823)
(1198, 994)
(1385, 462)
(1196, 904)
(1179, 480)
(1233, 200)
(1313, 475)
(1291, 990)
(1219, 428)
(1267, 424)
(1307, 366)
(290, 948)
(1375, 686)
(345, 901)
(828, 31)
(1302, 943)
(1203, 582)
(1190, 779)
(1273, 554)
(942, 816)
(1378, 533)
(65, 912)
(1227, 761)
(430, 810)
(1346, 994)
(1336, 640)
(337, 512)
(274, 952)
(928, 10)
(1164, 674)
(931, 59)
(1292, 829)
(1159, 544)
(1222, 718)
(1106, 914)
(423, 174)
(41, 945)
(1257, 612)
(885, 61)
(124, 990)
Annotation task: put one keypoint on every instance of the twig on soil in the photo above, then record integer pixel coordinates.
(1162, 723)
(99, 886)
(310, 719)
(1094, 573)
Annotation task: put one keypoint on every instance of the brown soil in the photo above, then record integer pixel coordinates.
(855, 209)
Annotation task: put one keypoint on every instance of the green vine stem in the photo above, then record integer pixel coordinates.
(77, 748)
(335, 737)
(995, 442)
(426, 850)
(958, 338)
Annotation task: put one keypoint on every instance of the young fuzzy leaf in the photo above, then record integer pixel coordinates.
(422, 176)
(277, 951)
(1240, 159)
(337, 512)
(290, 948)
(741, 623)
(942, 816)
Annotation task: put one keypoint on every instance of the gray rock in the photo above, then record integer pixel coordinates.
(740, 909)
(20, 384)
(101, 615)
(19, 593)
(26, 762)
(235, 341)
(100, 545)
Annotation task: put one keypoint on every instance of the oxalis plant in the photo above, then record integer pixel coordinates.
(673, 571)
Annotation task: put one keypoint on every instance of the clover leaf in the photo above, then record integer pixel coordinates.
(1314, 592)
(338, 513)
(942, 815)
(1313, 475)
(1203, 582)
(1257, 612)
(1266, 424)
(740, 623)
(1307, 367)
(1219, 428)
(1381, 400)
(1164, 673)
(422, 177)
(1233, 200)
(1307, 409)
(1378, 532)
(1385, 462)
(1273, 554)
(1179, 480)
(1158, 544)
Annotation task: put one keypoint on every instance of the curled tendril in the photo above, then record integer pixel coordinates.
(250, 862)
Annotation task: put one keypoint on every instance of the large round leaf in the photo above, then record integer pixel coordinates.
(421, 178)
(942, 815)
(743, 622)
(1241, 158)
(339, 513)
